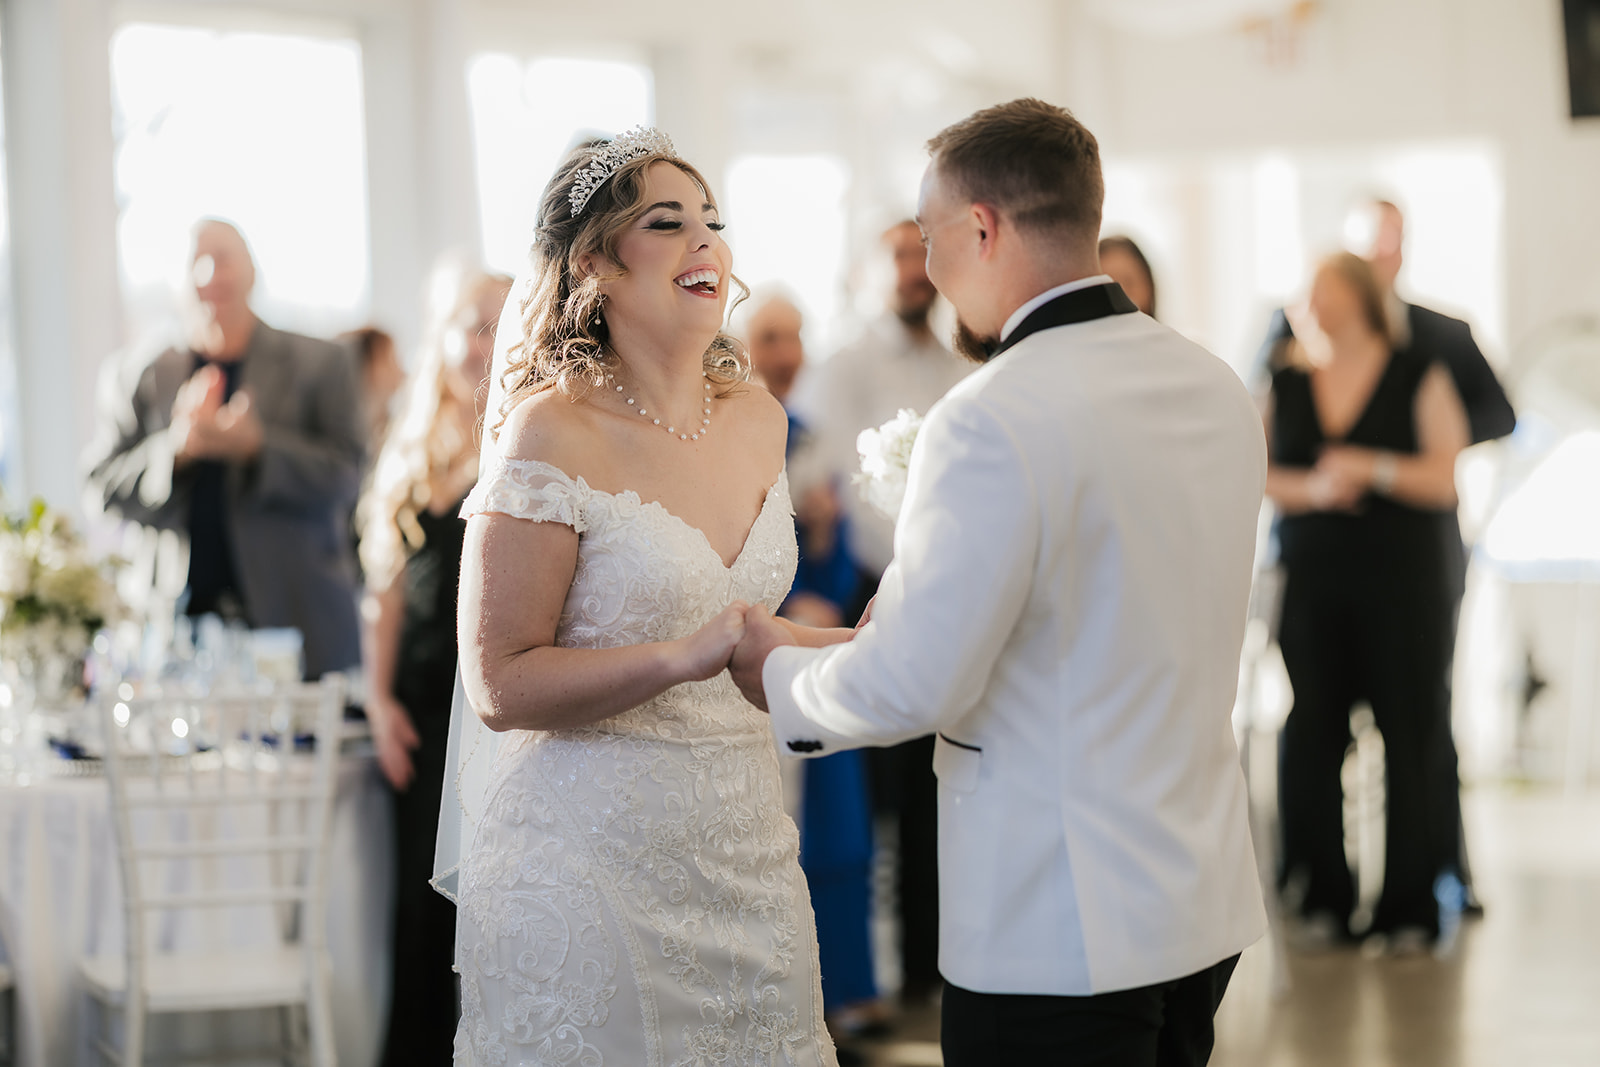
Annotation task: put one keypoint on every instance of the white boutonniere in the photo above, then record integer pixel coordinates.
(885, 459)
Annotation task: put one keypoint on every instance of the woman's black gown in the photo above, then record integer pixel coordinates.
(1367, 615)
(425, 1004)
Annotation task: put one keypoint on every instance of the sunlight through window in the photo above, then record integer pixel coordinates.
(525, 117)
(1233, 236)
(265, 130)
(1553, 518)
(786, 219)
(1452, 196)
(1280, 254)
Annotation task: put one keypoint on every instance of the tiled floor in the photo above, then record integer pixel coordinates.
(1523, 989)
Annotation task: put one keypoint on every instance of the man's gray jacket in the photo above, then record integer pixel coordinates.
(288, 509)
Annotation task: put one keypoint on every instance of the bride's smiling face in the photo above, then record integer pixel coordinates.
(678, 267)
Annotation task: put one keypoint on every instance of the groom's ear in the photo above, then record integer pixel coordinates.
(985, 223)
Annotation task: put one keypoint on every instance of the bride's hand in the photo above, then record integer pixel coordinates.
(706, 652)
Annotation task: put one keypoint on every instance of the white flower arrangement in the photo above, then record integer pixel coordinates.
(885, 459)
(53, 596)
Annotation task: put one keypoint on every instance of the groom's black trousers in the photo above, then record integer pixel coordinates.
(1163, 1025)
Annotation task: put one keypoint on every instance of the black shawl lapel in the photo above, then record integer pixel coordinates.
(1080, 305)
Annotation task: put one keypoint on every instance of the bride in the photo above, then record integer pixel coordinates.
(630, 893)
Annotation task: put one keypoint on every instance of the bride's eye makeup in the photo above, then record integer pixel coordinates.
(669, 223)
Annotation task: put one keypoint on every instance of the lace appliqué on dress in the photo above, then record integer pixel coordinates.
(633, 895)
(528, 489)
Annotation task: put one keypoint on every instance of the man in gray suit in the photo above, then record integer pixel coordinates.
(236, 460)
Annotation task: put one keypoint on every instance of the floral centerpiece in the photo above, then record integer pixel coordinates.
(53, 597)
(885, 460)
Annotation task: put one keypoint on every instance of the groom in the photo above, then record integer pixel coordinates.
(1065, 610)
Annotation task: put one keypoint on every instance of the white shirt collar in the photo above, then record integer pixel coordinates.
(1045, 297)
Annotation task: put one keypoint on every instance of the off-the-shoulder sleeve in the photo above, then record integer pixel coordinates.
(528, 489)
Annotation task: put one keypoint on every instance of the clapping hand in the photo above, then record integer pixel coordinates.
(206, 427)
(195, 406)
(762, 634)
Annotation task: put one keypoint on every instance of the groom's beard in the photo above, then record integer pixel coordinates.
(978, 349)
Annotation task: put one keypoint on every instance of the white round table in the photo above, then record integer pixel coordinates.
(60, 900)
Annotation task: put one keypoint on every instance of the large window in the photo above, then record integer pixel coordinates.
(786, 219)
(1232, 237)
(526, 114)
(262, 129)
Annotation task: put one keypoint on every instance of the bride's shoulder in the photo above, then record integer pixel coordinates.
(547, 427)
(756, 415)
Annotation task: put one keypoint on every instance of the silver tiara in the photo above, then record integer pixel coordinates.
(625, 147)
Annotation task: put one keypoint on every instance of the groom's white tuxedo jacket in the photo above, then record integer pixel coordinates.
(1065, 609)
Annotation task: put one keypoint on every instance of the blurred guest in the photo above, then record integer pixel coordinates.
(1363, 441)
(236, 459)
(381, 375)
(827, 579)
(1376, 229)
(770, 324)
(835, 808)
(1121, 258)
(897, 363)
(1379, 231)
(411, 539)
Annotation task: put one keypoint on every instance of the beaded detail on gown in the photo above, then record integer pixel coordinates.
(633, 894)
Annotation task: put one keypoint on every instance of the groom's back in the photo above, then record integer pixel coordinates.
(1149, 463)
(1156, 463)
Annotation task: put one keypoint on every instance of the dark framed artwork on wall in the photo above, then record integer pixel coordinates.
(1582, 22)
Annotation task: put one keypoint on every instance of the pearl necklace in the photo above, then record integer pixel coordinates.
(705, 422)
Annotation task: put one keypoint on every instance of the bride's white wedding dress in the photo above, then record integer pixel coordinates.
(632, 895)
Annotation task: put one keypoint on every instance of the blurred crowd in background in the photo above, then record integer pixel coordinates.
(261, 466)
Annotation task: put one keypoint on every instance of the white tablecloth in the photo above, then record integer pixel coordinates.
(60, 900)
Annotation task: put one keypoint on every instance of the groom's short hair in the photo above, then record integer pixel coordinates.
(1029, 160)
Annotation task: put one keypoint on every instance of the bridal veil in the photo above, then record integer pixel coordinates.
(473, 746)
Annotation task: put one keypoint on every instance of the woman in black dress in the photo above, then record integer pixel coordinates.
(411, 555)
(1363, 441)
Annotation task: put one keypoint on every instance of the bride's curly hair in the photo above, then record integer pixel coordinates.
(565, 343)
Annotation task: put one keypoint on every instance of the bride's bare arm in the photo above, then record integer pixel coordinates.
(514, 580)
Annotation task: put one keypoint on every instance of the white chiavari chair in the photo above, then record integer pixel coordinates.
(216, 814)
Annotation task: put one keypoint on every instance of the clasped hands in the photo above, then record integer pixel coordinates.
(206, 427)
(740, 639)
(1342, 476)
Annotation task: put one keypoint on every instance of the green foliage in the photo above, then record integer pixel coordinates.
(47, 578)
